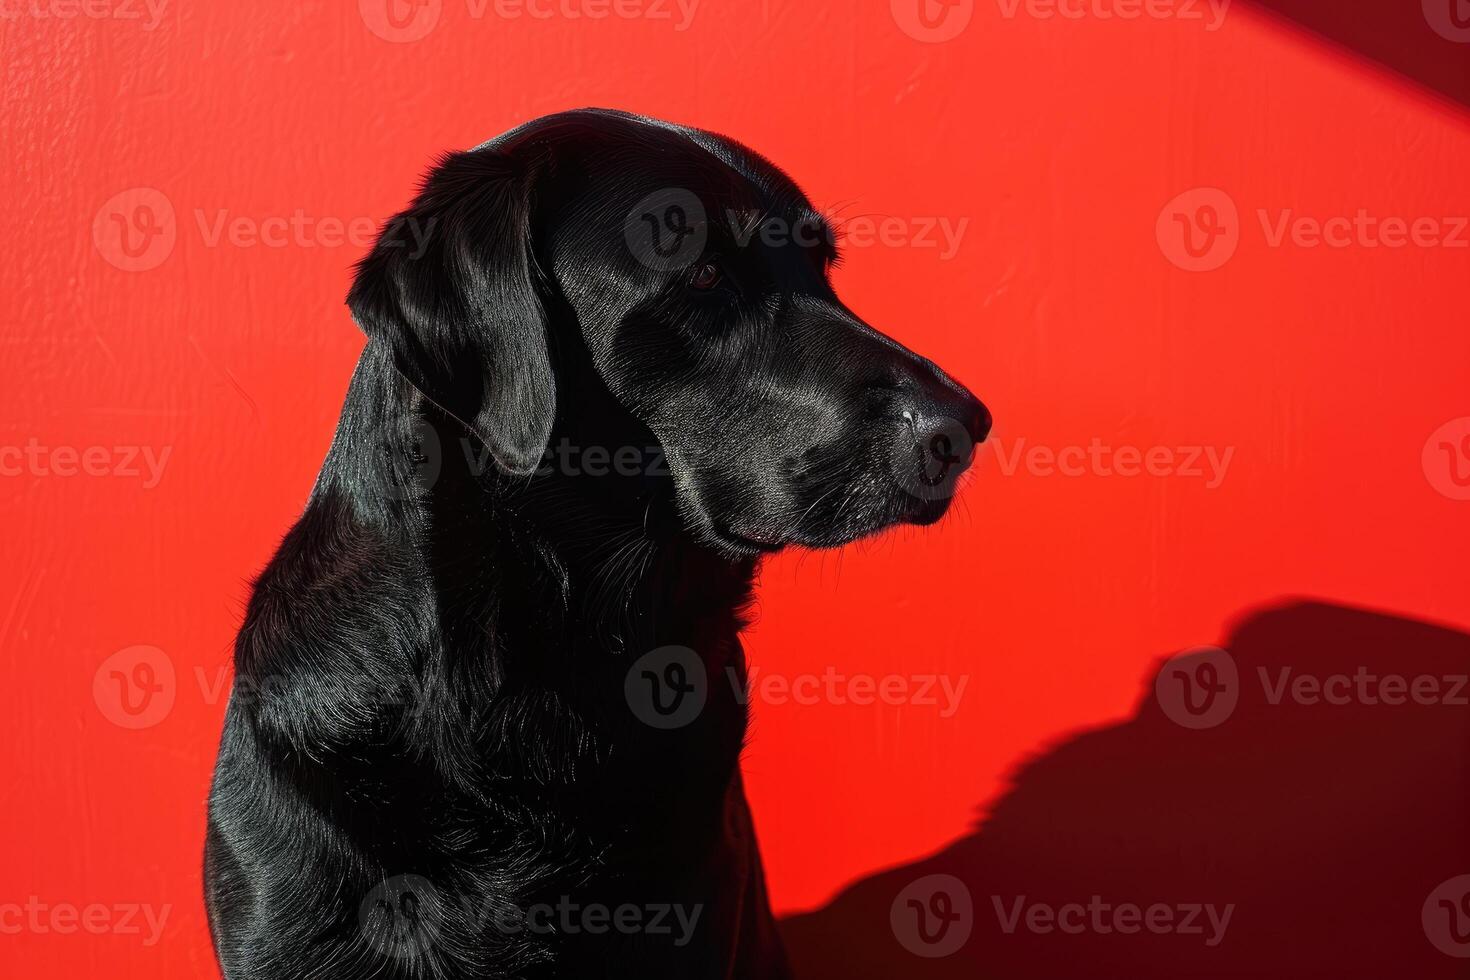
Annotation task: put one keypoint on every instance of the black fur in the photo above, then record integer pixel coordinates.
(429, 735)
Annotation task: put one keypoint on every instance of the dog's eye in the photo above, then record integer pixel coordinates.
(706, 276)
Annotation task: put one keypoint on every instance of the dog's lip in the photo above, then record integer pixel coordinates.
(751, 541)
(760, 544)
(927, 512)
(765, 540)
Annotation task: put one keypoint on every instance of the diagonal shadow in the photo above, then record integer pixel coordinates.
(1426, 41)
(1327, 826)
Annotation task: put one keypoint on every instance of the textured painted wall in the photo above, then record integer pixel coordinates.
(1206, 267)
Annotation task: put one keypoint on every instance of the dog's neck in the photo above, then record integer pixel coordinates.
(520, 605)
(603, 560)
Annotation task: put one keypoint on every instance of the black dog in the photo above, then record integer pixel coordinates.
(487, 714)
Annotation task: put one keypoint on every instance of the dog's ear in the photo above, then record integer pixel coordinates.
(451, 288)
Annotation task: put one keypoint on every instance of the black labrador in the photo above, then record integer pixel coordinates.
(488, 707)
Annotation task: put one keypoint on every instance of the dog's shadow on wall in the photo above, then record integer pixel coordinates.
(1329, 827)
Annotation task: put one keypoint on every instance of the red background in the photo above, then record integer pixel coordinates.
(1059, 140)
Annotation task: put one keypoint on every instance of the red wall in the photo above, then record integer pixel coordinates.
(1057, 142)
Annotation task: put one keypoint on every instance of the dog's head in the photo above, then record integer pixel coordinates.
(689, 276)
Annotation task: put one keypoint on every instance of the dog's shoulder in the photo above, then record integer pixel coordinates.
(339, 617)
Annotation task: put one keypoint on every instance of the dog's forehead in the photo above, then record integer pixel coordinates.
(630, 156)
(699, 143)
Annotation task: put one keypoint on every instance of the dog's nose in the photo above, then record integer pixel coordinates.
(943, 423)
(971, 413)
(965, 424)
(935, 404)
